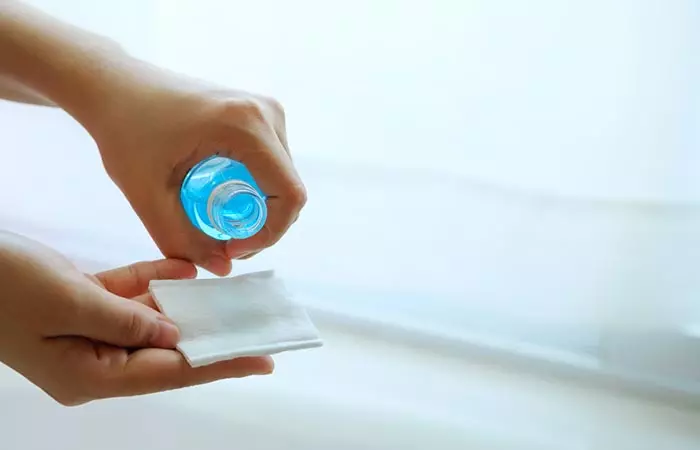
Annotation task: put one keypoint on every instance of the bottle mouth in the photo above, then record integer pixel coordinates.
(237, 209)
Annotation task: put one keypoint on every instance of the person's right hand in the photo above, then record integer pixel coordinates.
(152, 126)
(156, 125)
(83, 337)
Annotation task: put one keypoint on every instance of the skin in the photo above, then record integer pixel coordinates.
(81, 337)
(151, 126)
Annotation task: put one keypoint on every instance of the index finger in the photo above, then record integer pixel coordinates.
(132, 280)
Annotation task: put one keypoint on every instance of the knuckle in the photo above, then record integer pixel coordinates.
(134, 326)
(274, 105)
(133, 270)
(242, 109)
(183, 378)
(298, 196)
(137, 272)
(178, 379)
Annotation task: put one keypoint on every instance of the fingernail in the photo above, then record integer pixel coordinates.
(168, 334)
(218, 266)
(267, 367)
(248, 255)
(263, 371)
(238, 253)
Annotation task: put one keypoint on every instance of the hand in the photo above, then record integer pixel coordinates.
(82, 337)
(152, 126)
(158, 125)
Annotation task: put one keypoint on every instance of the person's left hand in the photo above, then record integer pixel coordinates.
(84, 337)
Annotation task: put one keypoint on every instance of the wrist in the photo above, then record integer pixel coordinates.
(14, 91)
(69, 67)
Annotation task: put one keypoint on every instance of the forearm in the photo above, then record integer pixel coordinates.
(44, 58)
(15, 91)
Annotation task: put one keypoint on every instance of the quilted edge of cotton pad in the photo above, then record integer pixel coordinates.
(259, 350)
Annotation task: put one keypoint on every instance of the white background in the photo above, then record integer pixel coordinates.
(521, 171)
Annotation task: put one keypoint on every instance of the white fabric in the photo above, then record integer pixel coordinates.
(226, 318)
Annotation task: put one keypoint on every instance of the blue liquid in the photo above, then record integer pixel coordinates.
(222, 199)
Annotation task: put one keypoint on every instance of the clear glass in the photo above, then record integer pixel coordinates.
(222, 199)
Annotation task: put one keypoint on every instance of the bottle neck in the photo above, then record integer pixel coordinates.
(237, 209)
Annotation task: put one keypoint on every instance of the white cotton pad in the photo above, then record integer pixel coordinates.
(226, 318)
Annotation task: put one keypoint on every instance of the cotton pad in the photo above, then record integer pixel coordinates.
(226, 318)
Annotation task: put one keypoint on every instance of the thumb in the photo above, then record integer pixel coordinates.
(111, 319)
